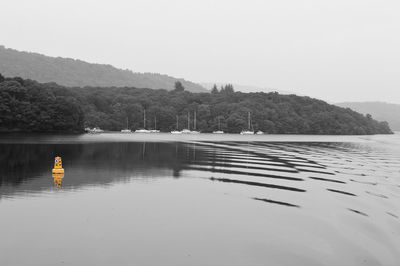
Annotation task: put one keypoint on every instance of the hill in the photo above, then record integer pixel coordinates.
(379, 110)
(27, 105)
(71, 72)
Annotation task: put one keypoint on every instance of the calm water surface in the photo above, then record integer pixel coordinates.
(163, 199)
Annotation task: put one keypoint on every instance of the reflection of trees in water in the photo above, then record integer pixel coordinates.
(102, 163)
(19, 162)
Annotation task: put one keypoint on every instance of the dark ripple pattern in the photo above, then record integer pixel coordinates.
(349, 171)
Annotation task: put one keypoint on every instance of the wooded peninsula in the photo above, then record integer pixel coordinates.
(29, 106)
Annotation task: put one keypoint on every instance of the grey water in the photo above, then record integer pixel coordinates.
(162, 199)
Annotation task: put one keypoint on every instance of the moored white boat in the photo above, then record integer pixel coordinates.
(95, 130)
(126, 130)
(259, 132)
(155, 130)
(177, 126)
(187, 130)
(219, 131)
(142, 131)
(247, 132)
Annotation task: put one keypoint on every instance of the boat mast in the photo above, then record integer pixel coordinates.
(144, 118)
(155, 122)
(177, 123)
(188, 120)
(219, 123)
(127, 126)
(249, 120)
(195, 120)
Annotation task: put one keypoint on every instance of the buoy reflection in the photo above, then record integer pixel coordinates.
(57, 178)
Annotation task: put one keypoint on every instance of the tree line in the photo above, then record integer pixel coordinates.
(26, 105)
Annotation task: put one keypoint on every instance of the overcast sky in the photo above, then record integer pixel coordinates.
(334, 50)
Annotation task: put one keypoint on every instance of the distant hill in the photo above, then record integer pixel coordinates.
(76, 73)
(379, 110)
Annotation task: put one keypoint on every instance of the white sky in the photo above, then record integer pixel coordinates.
(336, 50)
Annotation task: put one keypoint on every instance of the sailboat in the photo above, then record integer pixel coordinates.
(126, 130)
(249, 131)
(155, 127)
(194, 125)
(219, 131)
(143, 130)
(95, 130)
(187, 130)
(177, 127)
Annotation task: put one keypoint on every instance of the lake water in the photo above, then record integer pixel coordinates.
(165, 199)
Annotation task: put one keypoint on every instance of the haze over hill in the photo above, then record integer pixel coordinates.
(379, 110)
(77, 73)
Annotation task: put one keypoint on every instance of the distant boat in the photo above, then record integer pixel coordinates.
(259, 132)
(187, 130)
(155, 127)
(95, 130)
(143, 130)
(194, 131)
(249, 131)
(219, 131)
(127, 130)
(177, 127)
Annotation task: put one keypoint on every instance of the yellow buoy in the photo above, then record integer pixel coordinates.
(58, 166)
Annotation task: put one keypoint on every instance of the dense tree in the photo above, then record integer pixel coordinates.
(26, 105)
(214, 89)
(228, 88)
(29, 106)
(179, 86)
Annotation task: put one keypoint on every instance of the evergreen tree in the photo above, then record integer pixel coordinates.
(178, 86)
(214, 89)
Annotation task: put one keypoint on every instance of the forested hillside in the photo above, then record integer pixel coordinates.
(26, 105)
(29, 106)
(71, 72)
